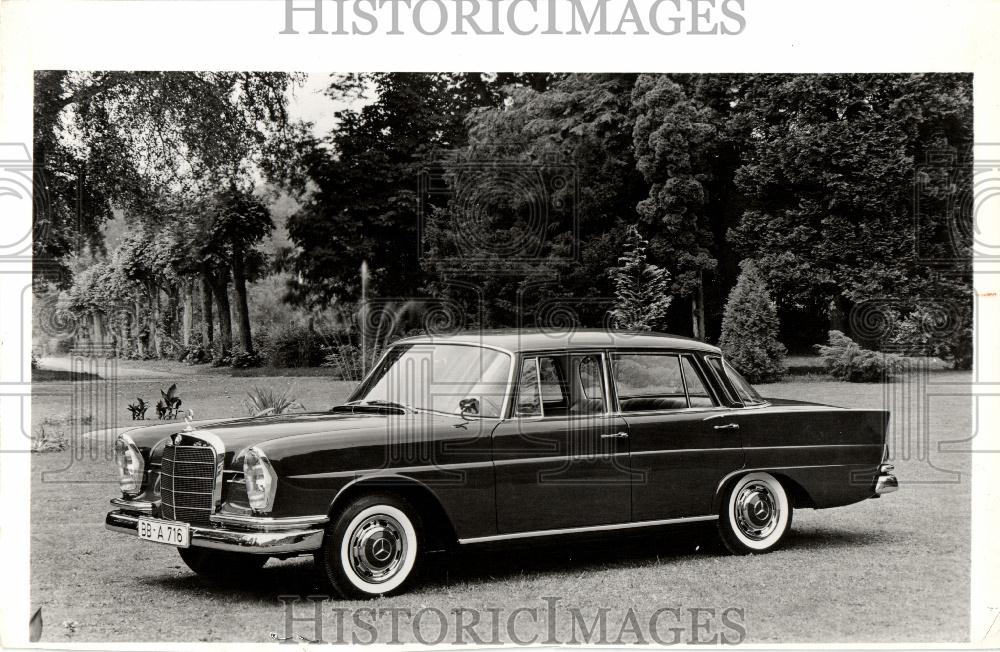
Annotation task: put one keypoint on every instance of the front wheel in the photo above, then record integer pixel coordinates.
(221, 564)
(756, 515)
(371, 549)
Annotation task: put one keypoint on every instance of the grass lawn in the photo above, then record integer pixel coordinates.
(893, 569)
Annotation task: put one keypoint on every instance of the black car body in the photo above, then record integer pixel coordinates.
(487, 436)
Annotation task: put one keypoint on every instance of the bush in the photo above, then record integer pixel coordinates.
(346, 358)
(844, 359)
(750, 329)
(290, 345)
(262, 401)
(240, 359)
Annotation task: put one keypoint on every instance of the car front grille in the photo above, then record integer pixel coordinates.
(187, 483)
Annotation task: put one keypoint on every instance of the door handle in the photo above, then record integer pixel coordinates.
(615, 435)
(728, 426)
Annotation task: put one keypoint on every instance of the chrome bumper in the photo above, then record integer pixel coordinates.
(277, 542)
(885, 481)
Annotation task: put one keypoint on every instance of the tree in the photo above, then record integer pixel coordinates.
(365, 176)
(642, 290)
(750, 329)
(545, 180)
(830, 178)
(119, 139)
(674, 138)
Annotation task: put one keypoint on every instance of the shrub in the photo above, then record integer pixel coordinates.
(290, 345)
(262, 401)
(240, 359)
(750, 329)
(346, 358)
(944, 334)
(48, 442)
(844, 359)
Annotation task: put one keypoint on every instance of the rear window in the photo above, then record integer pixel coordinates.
(745, 393)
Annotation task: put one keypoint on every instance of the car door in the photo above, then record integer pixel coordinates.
(561, 460)
(678, 451)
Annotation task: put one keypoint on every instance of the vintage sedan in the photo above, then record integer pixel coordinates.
(488, 436)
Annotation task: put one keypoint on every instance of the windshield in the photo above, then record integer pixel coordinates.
(746, 392)
(439, 377)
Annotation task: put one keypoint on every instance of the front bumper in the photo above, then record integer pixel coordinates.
(279, 542)
(885, 481)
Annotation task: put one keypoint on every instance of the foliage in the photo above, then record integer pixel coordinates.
(545, 181)
(240, 359)
(845, 360)
(347, 359)
(642, 290)
(138, 409)
(262, 401)
(118, 138)
(829, 177)
(43, 441)
(750, 329)
(169, 404)
(290, 344)
(674, 142)
(926, 332)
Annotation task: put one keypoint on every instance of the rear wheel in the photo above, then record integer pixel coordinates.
(220, 564)
(756, 515)
(371, 549)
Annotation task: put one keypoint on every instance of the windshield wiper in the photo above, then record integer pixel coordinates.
(380, 404)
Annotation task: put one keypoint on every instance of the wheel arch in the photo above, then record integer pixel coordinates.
(797, 494)
(439, 532)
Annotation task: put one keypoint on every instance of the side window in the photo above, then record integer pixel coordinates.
(698, 394)
(555, 389)
(589, 398)
(528, 402)
(648, 382)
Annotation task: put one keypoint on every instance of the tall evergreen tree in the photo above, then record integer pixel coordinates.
(750, 329)
(642, 290)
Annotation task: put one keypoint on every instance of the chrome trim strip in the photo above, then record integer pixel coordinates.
(261, 543)
(140, 506)
(590, 528)
(268, 523)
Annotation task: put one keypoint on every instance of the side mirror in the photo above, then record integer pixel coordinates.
(469, 405)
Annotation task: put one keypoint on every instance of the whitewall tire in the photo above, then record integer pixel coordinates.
(371, 549)
(756, 514)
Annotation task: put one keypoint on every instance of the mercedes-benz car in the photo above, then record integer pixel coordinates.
(481, 437)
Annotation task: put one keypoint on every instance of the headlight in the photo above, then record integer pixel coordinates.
(130, 466)
(260, 479)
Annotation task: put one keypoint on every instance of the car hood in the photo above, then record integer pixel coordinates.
(306, 434)
(241, 432)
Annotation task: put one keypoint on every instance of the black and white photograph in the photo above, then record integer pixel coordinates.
(418, 358)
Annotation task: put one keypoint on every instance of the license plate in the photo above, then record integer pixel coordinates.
(168, 532)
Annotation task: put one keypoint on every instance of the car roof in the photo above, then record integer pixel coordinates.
(534, 339)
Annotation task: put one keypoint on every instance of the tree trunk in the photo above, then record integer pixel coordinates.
(97, 339)
(187, 320)
(698, 312)
(838, 315)
(154, 320)
(220, 284)
(140, 345)
(207, 327)
(123, 347)
(242, 307)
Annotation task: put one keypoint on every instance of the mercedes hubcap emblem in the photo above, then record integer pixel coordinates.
(760, 509)
(380, 549)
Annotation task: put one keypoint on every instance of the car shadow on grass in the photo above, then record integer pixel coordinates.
(486, 563)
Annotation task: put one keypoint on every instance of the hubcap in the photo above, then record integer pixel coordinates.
(756, 511)
(378, 548)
